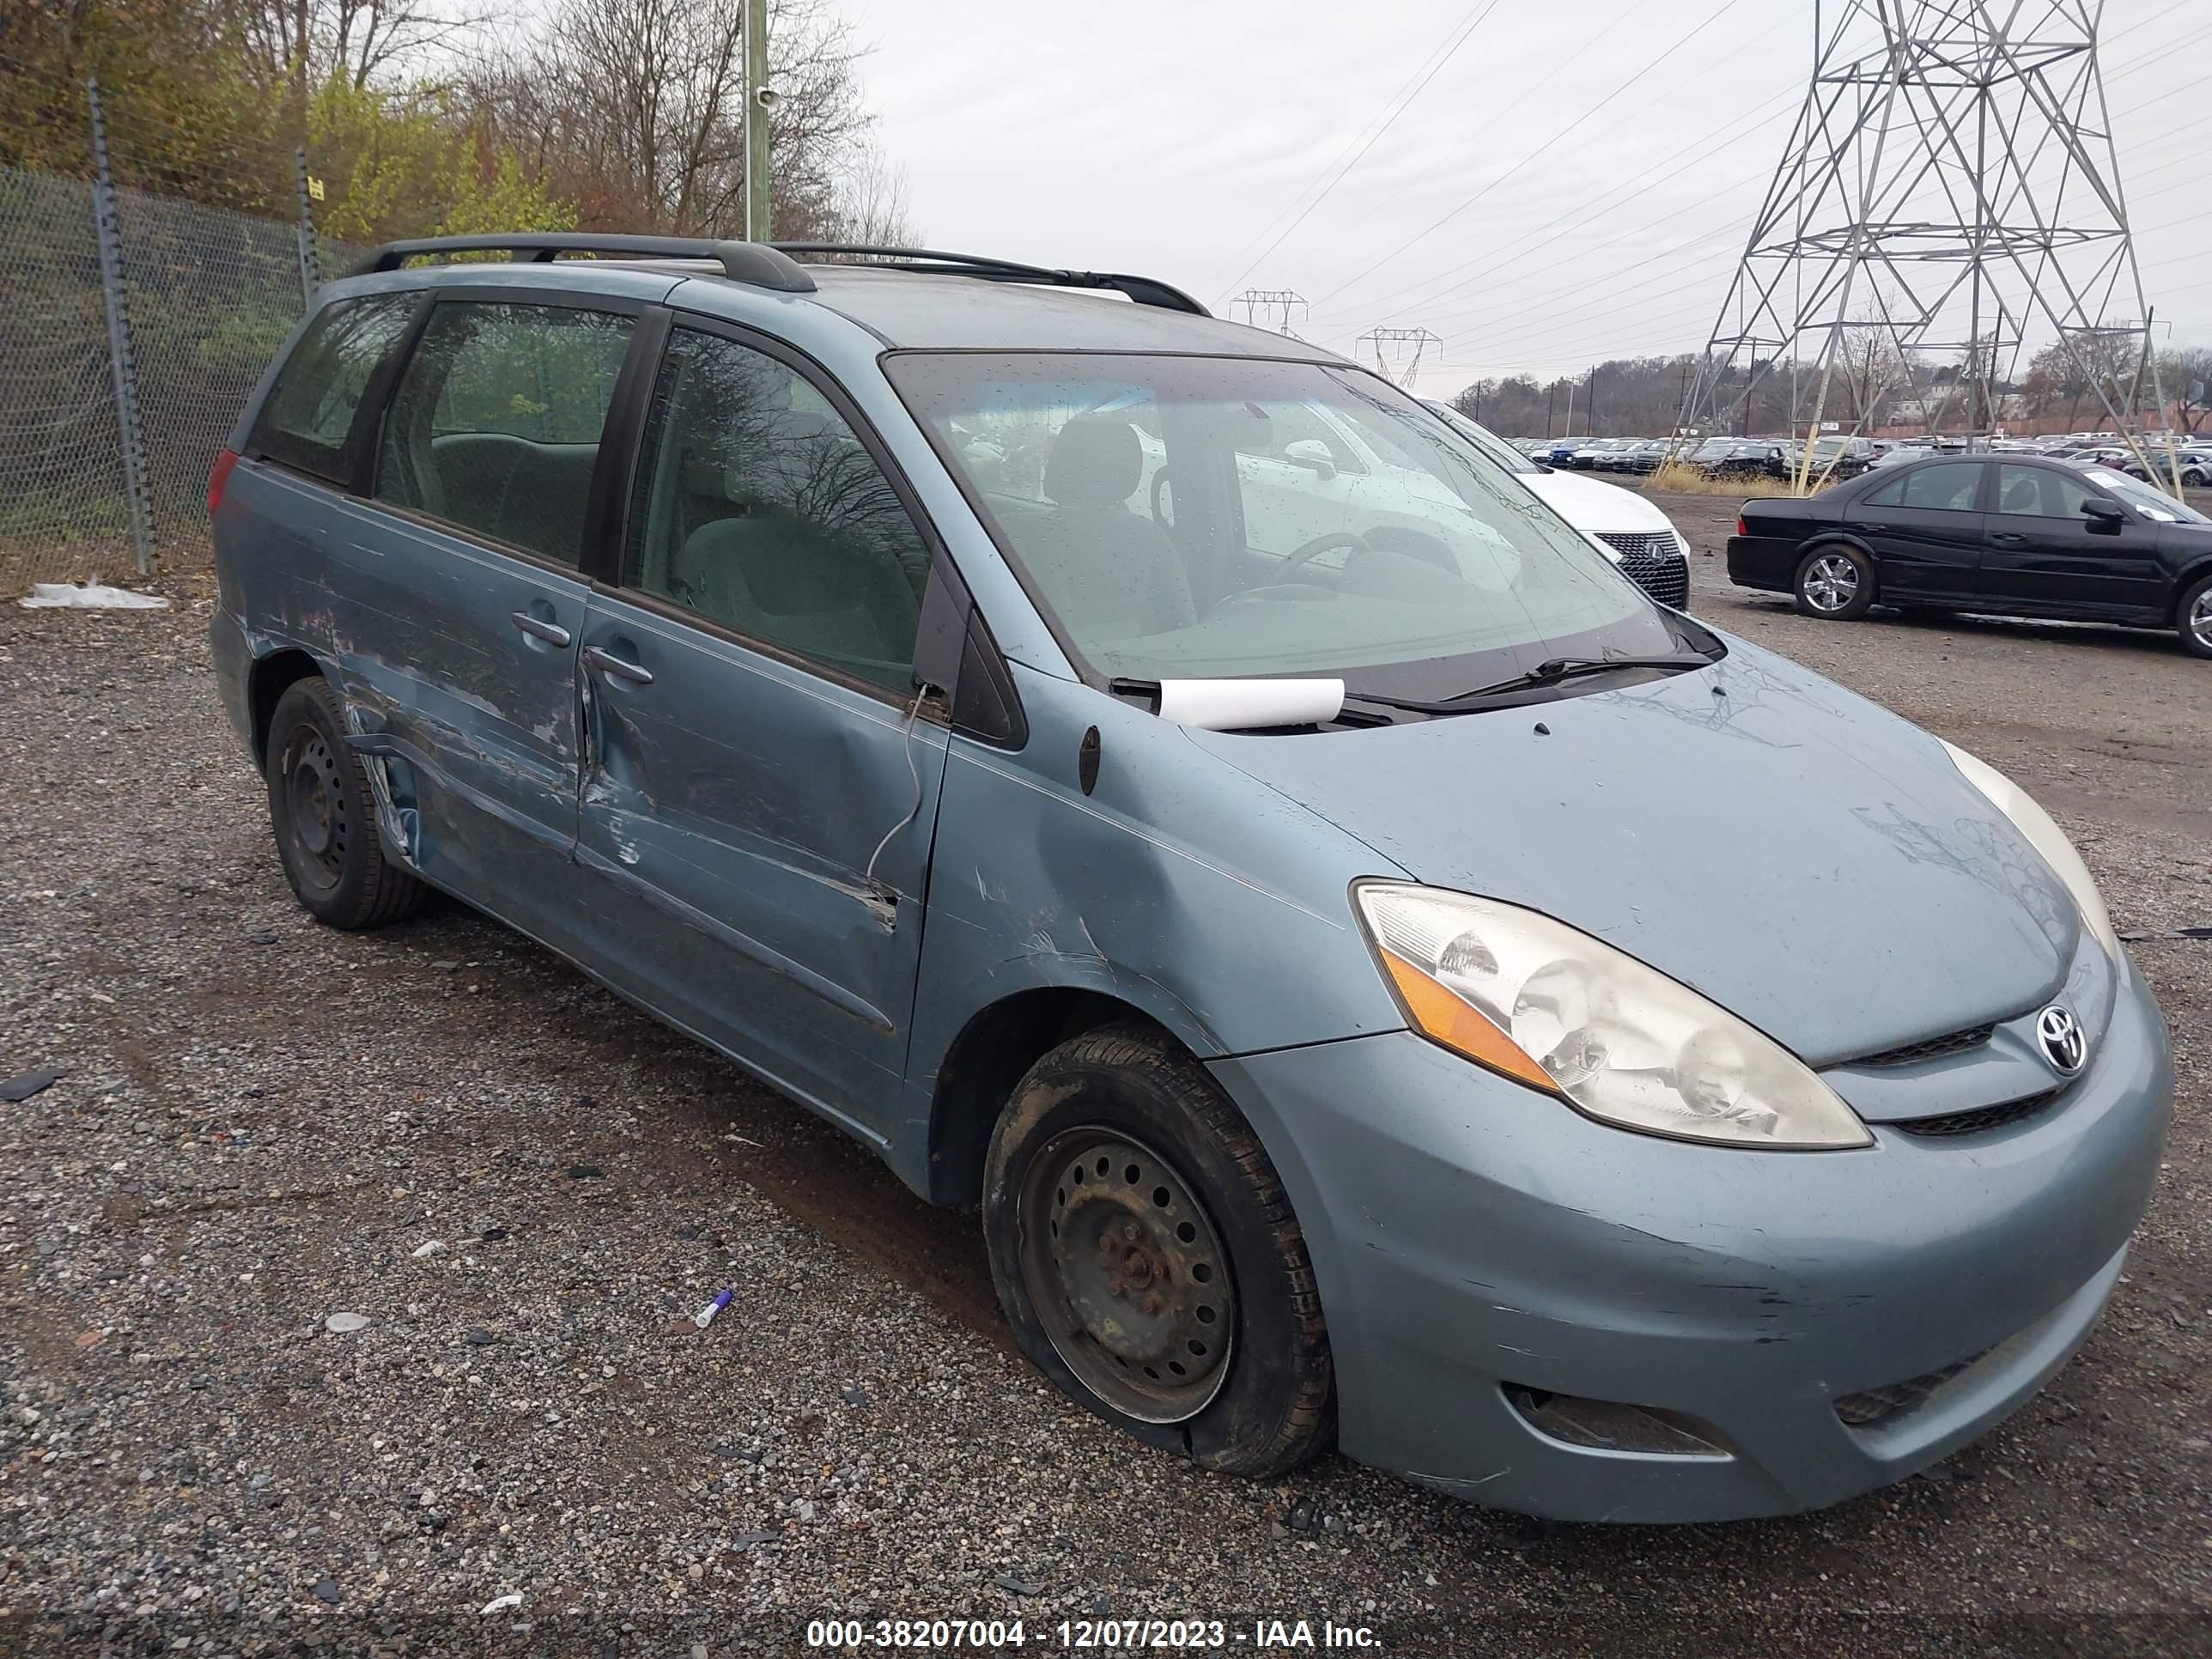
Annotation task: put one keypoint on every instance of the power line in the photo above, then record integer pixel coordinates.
(1597, 209)
(1725, 7)
(1403, 98)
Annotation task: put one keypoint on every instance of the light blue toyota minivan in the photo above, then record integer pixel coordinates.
(1383, 980)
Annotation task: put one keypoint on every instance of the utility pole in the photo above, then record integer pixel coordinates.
(1551, 406)
(122, 361)
(1593, 401)
(1569, 432)
(760, 99)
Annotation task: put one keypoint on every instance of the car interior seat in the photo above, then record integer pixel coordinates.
(806, 549)
(2023, 494)
(1094, 558)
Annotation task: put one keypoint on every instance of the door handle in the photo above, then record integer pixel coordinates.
(1876, 528)
(539, 628)
(2006, 538)
(620, 668)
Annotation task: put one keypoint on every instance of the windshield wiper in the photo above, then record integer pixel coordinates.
(1552, 671)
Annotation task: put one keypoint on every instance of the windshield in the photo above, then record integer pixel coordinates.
(1488, 443)
(2152, 503)
(1200, 517)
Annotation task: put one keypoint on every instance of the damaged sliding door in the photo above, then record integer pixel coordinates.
(760, 775)
(466, 602)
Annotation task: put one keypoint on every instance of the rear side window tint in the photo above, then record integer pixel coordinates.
(310, 410)
(495, 426)
(1951, 487)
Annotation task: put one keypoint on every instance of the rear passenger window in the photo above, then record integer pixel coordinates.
(311, 408)
(758, 508)
(495, 426)
(1951, 486)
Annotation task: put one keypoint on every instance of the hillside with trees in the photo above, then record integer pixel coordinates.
(429, 117)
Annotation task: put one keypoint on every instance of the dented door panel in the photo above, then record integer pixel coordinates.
(1188, 891)
(454, 664)
(469, 720)
(732, 805)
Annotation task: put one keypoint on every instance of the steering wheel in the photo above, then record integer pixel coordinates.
(1321, 544)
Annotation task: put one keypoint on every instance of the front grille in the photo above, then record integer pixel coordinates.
(1982, 1117)
(1951, 1043)
(1641, 543)
(1873, 1405)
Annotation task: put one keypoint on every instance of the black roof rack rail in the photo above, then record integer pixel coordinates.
(1144, 290)
(753, 263)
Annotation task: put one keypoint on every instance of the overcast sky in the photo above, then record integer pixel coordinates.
(1568, 182)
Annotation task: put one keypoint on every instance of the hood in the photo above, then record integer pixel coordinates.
(1802, 857)
(1593, 506)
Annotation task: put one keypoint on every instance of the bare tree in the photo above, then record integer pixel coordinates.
(635, 110)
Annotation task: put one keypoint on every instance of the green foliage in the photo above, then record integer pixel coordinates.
(405, 164)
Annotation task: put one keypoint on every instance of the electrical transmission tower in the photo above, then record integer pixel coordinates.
(1405, 344)
(1949, 192)
(1277, 302)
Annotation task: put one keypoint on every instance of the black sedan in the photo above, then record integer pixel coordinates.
(1740, 457)
(2005, 534)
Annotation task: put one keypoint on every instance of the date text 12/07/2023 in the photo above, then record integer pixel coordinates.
(1110, 1635)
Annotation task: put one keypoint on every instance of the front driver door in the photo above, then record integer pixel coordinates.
(2043, 554)
(1925, 528)
(761, 783)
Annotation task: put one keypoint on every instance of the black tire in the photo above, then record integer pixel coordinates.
(1115, 1129)
(324, 817)
(2193, 619)
(2195, 480)
(1823, 589)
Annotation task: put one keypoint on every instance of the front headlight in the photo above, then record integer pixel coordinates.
(1536, 1001)
(2046, 837)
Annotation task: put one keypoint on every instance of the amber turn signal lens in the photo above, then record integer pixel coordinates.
(1442, 1018)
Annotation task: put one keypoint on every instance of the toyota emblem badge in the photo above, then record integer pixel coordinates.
(2065, 1044)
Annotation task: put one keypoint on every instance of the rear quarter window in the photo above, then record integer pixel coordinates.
(310, 411)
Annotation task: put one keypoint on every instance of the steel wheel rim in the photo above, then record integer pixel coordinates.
(1127, 1275)
(315, 812)
(2200, 619)
(1832, 582)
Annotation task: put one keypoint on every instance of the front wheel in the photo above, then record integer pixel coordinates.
(1147, 1258)
(2195, 619)
(1835, 583)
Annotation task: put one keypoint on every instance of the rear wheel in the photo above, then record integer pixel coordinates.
(323, 814)
(2195, 619)
(2195, 478)
(1835, 583)
(1147, 1258)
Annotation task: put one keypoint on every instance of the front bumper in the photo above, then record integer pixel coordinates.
(1472, 1238)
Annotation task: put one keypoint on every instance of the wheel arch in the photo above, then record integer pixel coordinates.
(274, 673)
(992, 1052)
(2185, 584)
(1827, 536)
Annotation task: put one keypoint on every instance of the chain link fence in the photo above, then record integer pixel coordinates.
(133, 326)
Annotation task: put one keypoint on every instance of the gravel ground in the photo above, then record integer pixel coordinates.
(519, 1183)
